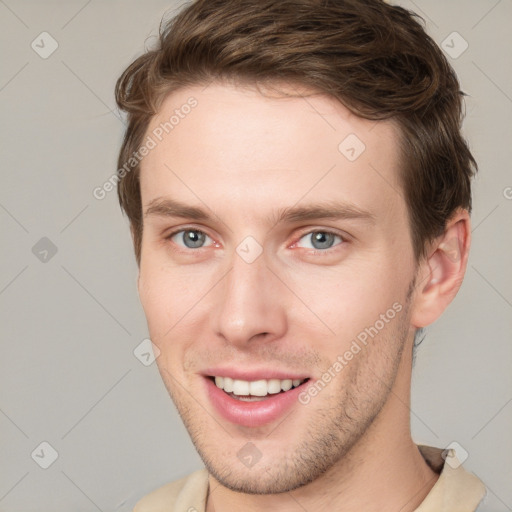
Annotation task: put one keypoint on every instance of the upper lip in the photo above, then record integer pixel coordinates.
(253, 374)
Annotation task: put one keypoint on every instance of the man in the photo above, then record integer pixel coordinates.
(298, 191)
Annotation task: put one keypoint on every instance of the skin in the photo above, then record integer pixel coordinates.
(243, 157)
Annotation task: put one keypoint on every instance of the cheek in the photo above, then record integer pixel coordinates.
(162, 307)
(347, 299)
(157, 294)
(171, 296)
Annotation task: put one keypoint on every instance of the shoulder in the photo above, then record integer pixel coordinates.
(184, 494)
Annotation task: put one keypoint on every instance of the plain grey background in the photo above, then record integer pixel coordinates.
(71, 319)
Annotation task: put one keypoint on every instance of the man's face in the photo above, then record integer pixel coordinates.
(266, 284)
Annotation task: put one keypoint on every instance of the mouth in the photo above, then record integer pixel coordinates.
(256, 390)
(257, 402)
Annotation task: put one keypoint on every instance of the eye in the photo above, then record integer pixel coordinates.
(190, 238)
(319, 240)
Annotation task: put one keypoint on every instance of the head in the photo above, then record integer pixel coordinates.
(303, 195)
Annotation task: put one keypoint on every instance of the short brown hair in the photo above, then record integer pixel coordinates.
(374, 58)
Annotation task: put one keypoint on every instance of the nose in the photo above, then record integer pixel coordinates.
(250, 305)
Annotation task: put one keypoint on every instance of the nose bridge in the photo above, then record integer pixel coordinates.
(247, 305)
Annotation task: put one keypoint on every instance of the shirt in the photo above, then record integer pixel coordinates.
(456, 490)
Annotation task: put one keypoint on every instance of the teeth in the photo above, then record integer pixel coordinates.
(228, 385)
(273, 386)
(257, 387)
(240, 387)
(286, 384)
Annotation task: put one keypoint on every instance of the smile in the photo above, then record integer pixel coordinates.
(254, 403)
(256, 389)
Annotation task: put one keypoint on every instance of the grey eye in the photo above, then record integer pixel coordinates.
(190, 238)
(319, 240)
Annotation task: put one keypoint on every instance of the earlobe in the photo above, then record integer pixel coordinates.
(442, 272)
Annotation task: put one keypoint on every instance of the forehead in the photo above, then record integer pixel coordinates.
(263, 150)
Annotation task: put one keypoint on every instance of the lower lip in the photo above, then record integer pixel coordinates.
(252, 414)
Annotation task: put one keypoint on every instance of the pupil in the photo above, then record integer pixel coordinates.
(322, 240)
(193, 239)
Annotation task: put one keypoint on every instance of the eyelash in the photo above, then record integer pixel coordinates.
(302, 235)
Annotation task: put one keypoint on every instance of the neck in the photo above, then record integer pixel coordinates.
(383, 472)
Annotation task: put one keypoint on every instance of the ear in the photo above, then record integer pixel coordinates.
(441, 273)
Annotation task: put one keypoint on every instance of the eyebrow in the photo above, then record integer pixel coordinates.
(170, 208)
(325, 210)
(334, 210)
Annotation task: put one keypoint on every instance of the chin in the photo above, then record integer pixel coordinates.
(261, 481)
